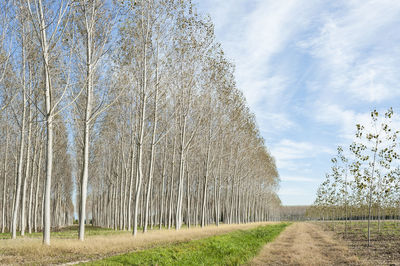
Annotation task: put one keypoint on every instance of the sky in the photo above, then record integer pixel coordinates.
(310, 70)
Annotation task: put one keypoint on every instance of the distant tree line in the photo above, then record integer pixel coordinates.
(294, 213)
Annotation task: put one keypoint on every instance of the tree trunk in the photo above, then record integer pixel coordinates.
(22, 144)
(163, 174)
(39, 168)
(172, 185)
(32, 183)
(3, 224)
(27, 168)
(152, 152)
(178, 214)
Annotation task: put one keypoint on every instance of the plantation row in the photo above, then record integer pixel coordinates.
(364, 179)
(132, 107)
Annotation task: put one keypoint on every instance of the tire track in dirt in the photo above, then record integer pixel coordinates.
(306, 244)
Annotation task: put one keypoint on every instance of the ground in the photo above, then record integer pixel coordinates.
(301, 243)
(385, 239)
(306, 244)
(66, 248)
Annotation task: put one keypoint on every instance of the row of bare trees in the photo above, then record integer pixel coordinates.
(132, 107)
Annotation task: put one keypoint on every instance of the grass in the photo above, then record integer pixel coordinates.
(234, 248)
(29, 250)
(69, 232)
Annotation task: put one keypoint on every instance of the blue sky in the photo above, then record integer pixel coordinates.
(310, 71)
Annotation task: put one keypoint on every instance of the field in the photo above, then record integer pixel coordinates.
(234, 248)
(103, 243)
(385, 242)
(298, 243)
(69, 232)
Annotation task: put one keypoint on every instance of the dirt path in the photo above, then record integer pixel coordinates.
(306, 244)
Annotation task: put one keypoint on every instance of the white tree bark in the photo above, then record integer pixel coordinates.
(5, 174)
(39, 168)
(49, 125)
(22, 144)
(152, 149)
(32, 182)
(27, 168)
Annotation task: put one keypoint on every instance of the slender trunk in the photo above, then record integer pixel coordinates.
(370, 195)
(346, 204)
(3, 224)
(139, 177)
(188, 198)
(124, 225)
(15, 182)
(39, 168)
(218, 196)
(121, 185)
(21, 147)
(152, 152)
(172, 184)
(131, 187)
(32, 183)
(49, 125)
(198, 197)
(207, 164)
(163, 173)
(27, 168)
(178, 214)
(140, 140)
(86, 136)
(379, 204)
(115, 213)
(238, 219)
(49, 166)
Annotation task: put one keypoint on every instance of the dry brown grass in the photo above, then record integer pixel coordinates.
(306, 244)
(28, 251)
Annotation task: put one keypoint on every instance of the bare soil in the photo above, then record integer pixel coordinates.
(384, 248)
(307, 244)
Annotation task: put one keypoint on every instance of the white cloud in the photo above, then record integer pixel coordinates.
(354, 47)
(290, 154)
(267, 30)
(270, 122)
(301, 179)
(292, 192)
(291, 150)
(254, 32)
(311, 68)
(345, 120)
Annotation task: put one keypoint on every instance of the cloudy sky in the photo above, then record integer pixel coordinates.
(310, 71)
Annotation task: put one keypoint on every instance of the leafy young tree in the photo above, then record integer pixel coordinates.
(340, 172)
(374, 149)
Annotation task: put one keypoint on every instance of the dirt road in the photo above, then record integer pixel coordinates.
(306, 244)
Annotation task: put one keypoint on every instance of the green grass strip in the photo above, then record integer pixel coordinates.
(234, 248)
